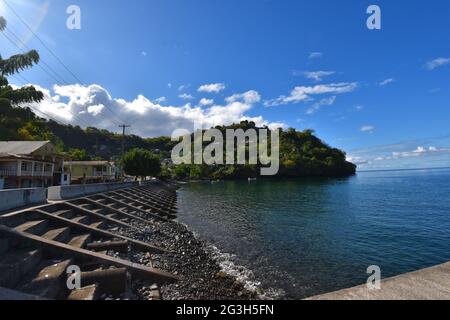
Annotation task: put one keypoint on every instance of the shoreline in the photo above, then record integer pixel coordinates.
(199, 269)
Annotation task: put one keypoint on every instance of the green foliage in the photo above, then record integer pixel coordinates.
(301, 154)
(141, 163)
(78, 155)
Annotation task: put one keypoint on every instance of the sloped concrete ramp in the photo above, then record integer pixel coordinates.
(426, 284)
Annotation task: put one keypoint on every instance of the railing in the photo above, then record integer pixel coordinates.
(14, 173)
(8, 173)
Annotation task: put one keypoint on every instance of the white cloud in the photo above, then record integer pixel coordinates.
(161, 100)
(212, 88)
(359, 108)
(317, 75)
(420, 151)
(151, 119)
(186, 96)
(249, 97)
(386, 82)
(315, 55)
(144, 53)
(206, 102)
(169, 85)
(369, 129)
(95, 110)
(439, 62)
(357, 160)
(324, 102)
(300, 94)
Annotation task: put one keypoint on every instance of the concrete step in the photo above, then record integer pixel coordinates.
(61, 234)
(87, 206)
(15, 265)
(112, 216)
(85, 293)
(98, 225)
(68, 214)
(80, 241)
(4, 246)
(81, 219)
(49, 281)
(37, 227)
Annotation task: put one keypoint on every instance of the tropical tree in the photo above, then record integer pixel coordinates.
(141, 163)
(13, 65)
(11, 98)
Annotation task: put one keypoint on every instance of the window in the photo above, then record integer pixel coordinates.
(24, 166)
(65, 178)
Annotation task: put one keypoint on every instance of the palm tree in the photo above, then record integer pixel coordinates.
(14, 64)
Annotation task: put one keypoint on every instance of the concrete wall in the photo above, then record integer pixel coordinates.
(76, 191)
(16, 198)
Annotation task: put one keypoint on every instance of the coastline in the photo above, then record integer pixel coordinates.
(193, 260)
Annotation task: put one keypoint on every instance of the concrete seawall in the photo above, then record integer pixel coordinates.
(74, 191)
(426, 284)
(17, 198)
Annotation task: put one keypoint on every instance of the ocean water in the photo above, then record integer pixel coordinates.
(299, 238)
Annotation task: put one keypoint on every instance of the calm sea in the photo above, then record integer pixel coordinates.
(309, 236)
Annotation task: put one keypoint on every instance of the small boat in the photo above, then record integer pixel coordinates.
(251, 179)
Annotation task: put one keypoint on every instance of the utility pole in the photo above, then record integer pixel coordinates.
(123, 126)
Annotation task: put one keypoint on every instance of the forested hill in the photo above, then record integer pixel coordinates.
(22, 124)
(301, 152)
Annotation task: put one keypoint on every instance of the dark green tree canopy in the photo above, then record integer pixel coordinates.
(141, 163)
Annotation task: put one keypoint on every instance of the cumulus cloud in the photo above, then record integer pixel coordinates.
(249, 97)
(212, 88)
(92, 105)
(206, 102)
(369, 129)
(317, 75)
(300, 94)
(95, 110)
(386, 82)
(439, 62)
(324, 102)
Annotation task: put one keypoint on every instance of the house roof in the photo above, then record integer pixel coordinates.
(21, 147)
(87, 163)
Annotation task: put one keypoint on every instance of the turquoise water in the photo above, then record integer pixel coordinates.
(310, 236)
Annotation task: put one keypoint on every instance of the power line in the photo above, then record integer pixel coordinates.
(54, 55)
(23, 51)
(41, 61)
(18, 47)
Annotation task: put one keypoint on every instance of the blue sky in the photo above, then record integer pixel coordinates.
(380, 95)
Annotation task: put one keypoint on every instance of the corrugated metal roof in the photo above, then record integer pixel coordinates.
(87, 163)
(21, 147)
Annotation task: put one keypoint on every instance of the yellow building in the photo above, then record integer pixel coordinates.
(91, 171)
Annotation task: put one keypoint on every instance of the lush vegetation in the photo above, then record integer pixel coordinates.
(141, 163)
(301, 154)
